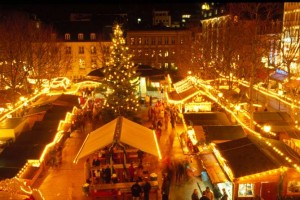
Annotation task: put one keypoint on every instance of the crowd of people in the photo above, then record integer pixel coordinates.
(207, 194)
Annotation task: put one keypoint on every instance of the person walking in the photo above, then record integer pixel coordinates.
(136, 191)
(146, 188)
(87, 171)
(209, 193)
(165, 188)
(204, 197)
(131, 171)
(225, 195)
(195, 195)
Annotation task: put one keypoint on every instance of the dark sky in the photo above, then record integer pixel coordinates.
(62, 10)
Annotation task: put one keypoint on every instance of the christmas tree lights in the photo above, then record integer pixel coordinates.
(121, 78)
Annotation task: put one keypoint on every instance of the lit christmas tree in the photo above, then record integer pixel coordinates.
(121, 79)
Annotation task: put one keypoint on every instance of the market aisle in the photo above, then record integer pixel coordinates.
(65, 181)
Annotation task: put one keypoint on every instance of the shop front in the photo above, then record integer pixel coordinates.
(256, 170)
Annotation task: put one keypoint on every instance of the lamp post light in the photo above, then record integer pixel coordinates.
(220, 94)
(267, 128)
(237, 108)
(280, 92)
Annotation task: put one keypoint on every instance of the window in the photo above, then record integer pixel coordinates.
(81, 50)
(68, 50)
(153, 40)
(159, 41)
(80, 36)
(139, 40)
(131, 41)
(93, 36)
(166, 40)
(246, 190)
(93, 63)
(146, 41)
(181, 40)
(173, 40)
(67, 36)
(166, 53)
(93, 50)
(166, 65)
(53, 36)
(81, 63)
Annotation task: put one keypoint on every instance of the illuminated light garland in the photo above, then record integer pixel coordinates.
(258, 135)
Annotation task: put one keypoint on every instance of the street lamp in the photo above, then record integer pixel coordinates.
(280, 92)
(267, 128)
(237, 108)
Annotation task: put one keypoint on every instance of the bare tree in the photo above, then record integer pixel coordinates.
(48, 58)
(14, 44)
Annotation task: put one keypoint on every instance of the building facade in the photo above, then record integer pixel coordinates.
(291, 37)
(162, 48)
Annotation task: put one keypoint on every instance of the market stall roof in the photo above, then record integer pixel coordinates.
(11, 123)
(183, 96)
(273, 118)
(251, 155)
(214, 170)
(280, 122)
(120, 130)
(62, 100)
(223, 133)
(147, 71)
(31, 144)
(206, 118)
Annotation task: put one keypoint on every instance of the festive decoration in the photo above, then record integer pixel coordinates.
(121, 78)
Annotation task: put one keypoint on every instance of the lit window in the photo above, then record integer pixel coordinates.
(166, 65)
(166, 54)
(140, 40)
(81, 63)
(80, 36)
(131, 41)
(93, 63)
(246, 190)
(93, 50)
(67, 36)
(181, 41)
(93, 36)
(81, 50)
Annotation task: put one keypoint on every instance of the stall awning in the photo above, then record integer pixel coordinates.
(213, 169)
(183, 96)
(131, 133)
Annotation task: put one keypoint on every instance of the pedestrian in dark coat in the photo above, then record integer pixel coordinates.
(146, 189)
(204, 197)
(165, 188)
(195, 195)
(136, 191)
(107, 174)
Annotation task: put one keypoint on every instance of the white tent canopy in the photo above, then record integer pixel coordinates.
(131, 133)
